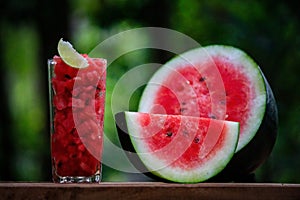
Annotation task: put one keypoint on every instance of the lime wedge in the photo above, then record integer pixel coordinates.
(70, 56)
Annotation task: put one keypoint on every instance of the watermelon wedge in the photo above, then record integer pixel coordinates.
(219, 82)
(175, 147)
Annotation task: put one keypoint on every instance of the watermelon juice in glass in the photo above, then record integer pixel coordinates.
(77, 97)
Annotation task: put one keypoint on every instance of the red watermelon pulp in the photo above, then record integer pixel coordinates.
(219, 82)
(175, 147)
(76, 127)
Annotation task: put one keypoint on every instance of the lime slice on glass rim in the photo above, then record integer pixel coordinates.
(70, 56)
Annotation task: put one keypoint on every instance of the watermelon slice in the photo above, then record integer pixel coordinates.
(175, 147)
(219, 82)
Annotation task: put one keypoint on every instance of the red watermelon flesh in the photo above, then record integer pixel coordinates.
(238, 94)
(181, 148)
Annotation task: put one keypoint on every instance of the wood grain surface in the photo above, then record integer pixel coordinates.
(149, 190)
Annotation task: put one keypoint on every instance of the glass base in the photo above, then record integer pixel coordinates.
(96, 178)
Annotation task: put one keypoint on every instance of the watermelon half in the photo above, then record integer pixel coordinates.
(219, 82)
(175, 147)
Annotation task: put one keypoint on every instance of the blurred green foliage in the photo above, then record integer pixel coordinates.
(268, 30)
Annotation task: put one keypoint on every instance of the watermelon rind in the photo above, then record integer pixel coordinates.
(211, 167)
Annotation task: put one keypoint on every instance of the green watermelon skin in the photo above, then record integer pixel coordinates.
(257, 149)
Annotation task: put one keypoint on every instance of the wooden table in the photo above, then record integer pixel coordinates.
(149, 190)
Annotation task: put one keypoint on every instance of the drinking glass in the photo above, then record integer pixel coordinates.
(77, 101)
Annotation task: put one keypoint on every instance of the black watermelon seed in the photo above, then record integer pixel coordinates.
(212, 116)
(201, 79)
(169, 134)
(67, 76)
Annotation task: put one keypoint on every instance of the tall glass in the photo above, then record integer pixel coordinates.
(77, 98)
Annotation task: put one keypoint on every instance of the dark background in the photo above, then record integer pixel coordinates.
(269, 31)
